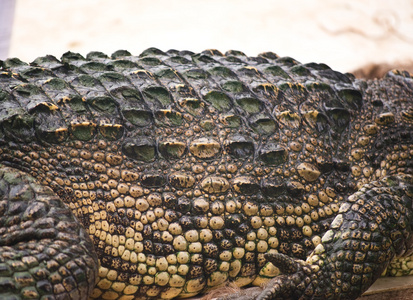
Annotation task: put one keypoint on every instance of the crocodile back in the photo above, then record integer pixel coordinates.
(187, 168)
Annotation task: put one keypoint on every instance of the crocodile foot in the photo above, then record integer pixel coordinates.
(373, 226)
(44, 251)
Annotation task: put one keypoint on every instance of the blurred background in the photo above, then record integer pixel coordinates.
(344, 34)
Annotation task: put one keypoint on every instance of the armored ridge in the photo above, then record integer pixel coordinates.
(188, 170)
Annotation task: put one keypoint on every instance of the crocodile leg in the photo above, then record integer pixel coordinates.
(44, 251)
(372, 227)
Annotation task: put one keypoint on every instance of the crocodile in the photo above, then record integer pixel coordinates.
(169, 174)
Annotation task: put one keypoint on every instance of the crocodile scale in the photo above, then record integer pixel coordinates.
(171, 173)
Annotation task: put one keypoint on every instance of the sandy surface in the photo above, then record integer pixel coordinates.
(343, 34)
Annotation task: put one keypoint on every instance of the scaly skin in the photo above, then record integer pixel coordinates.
(189, 170)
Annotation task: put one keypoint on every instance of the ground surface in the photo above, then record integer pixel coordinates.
(344, 34)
